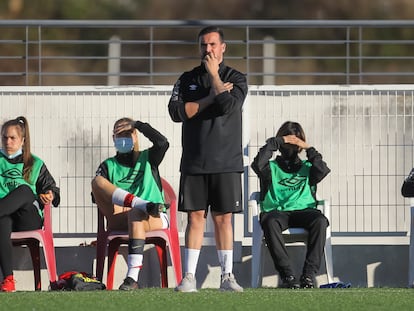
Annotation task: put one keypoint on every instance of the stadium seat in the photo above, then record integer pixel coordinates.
(32, 239)
(109, 241)
(291, 235)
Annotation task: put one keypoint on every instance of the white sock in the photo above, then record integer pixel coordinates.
(226, 260)
(139, 203)
(134, 265)
(191, 259)
(124, 198)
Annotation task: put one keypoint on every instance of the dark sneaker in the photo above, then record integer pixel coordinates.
(289, 282)
(154, 209)
(129, 284)
(306, 281)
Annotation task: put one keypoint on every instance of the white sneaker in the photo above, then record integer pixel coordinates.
(229, 283)
(188, 284)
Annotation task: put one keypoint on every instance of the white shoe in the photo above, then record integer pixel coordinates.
(188, 284)
(229, 283)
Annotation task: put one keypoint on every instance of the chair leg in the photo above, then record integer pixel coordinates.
(50, 259)
(34, 248)
(328, 260)
(257, 263)
(161, 248)
(101, 245)
(113, 248)
(175, 254)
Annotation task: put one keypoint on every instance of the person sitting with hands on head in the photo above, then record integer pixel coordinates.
(128, 190)
(26, 186)
(288, 199)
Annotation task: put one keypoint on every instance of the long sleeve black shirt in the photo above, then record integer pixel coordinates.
(212, 139)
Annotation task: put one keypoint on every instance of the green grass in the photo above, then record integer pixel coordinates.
(274, 299)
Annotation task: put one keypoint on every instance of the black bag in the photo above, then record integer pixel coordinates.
(79, 281)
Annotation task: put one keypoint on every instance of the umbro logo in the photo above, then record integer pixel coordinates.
(192, 87)
(293, 181)
(12, 173)
(132, 177)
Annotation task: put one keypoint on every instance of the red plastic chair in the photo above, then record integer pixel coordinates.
(109, 241)
(33, 239)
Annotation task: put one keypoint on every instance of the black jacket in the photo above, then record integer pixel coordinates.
(44, 182)
(261, 166)
(211, 140)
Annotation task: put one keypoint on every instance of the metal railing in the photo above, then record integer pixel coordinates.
(74, 52)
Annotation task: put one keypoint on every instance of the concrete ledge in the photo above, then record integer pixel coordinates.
(362, 265)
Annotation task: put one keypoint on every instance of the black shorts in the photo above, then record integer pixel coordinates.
(221, 193)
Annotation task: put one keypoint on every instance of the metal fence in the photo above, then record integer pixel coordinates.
(365, 133)
(102, 52)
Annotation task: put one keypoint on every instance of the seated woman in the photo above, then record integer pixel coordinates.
(25, 187)
(288, 199)
(128, 191)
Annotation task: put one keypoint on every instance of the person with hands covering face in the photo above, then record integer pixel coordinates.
(128, 191)
(208, 101)
(26, 186)
(288, 199)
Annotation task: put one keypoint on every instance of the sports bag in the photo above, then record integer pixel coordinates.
(79, 281)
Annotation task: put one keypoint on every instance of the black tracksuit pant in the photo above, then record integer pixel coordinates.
(17, 213)
(275, 222)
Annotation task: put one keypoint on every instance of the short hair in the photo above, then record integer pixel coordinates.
(210, 29)
(291, 128)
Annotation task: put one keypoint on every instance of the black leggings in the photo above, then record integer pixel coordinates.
(17, 213)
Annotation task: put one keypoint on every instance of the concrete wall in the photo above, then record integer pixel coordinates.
(361, 265)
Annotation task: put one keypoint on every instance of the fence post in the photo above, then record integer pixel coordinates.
(114, 61)
(269, 66)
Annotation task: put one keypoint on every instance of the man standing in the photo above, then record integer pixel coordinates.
(208, 101)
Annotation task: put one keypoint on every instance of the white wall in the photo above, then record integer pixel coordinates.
(364, 132)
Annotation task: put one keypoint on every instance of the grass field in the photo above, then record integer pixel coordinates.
(350, 299)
